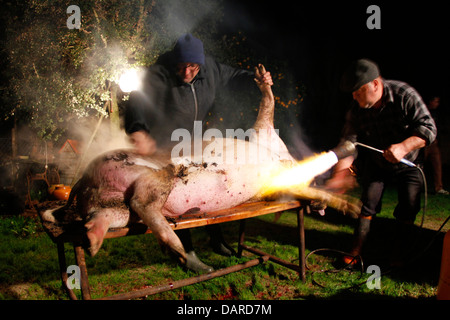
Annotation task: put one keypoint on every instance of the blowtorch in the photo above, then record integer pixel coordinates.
(404, 161)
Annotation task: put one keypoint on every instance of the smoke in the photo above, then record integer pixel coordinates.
(96, 139)
(108, 137)
(179, 16)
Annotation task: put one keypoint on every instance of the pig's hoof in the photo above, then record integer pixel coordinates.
(94, 243)
(193, 263)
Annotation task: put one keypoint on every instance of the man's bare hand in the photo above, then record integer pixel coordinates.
(398, 151)
(394, 153)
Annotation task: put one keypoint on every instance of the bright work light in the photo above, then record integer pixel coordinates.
(130, 80)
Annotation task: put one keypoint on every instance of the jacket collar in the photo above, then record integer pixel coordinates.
(388, 95)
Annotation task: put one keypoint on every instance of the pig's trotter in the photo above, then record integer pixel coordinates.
(167, 238)
(97, 229)
(165, 235)
(101, 219)
(150, 194)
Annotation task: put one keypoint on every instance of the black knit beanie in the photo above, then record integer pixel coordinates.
(189, 49)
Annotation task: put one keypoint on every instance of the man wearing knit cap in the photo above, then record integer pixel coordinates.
(178, 89)
(189, 53)
(390, 116)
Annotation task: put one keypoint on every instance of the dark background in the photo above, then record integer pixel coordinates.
(318, 39)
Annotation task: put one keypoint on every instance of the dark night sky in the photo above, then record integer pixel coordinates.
(318, 39)
(412, 41)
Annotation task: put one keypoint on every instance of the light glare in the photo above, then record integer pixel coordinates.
(130, 81)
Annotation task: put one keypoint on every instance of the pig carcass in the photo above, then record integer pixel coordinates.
(120, 186)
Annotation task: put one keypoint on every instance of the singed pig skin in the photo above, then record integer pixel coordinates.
(111, 181)
(213, 185)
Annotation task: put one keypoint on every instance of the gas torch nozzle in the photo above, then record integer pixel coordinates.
(344, 150)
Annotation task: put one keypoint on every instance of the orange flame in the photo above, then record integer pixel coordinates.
(299, 175)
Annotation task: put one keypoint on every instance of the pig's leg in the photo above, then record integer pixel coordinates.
(265, 134)
(264, 120)
(102, 219)
(345, 204)
(150, 193)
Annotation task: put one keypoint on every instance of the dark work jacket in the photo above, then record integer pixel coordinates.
(165, 103)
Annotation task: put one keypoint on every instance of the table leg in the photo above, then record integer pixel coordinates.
(241, 238)
(81, 262)
(63, 270)
(301, 245)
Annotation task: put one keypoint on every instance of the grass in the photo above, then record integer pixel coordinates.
(29, 265)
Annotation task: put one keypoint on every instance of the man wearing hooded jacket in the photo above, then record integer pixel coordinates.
(178, 89)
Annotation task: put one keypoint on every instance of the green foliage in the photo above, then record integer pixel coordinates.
(57, 75)
(20, 226)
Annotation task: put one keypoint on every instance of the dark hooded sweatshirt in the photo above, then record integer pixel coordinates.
(165, 103)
